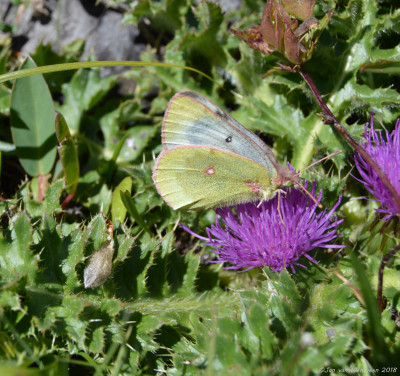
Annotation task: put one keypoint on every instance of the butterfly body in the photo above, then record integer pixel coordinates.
(210, 160)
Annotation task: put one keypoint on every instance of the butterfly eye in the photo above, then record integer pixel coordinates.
(228, 139)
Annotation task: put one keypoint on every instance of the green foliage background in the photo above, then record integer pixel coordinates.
(165, 309)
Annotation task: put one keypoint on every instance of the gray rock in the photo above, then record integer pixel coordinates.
(44, 20)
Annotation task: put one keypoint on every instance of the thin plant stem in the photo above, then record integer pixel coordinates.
(357, 292)
(331, 119)
(384, 261)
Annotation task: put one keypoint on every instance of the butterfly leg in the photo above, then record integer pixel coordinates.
(279, 205)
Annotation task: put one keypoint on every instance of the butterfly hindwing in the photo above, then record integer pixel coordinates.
(195, 177)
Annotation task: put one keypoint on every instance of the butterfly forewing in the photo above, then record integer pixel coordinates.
(193, 120)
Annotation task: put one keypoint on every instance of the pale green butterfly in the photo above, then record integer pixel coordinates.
(210, 160)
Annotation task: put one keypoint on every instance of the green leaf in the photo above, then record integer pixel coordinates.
(53, 253)
(4, 100)
(134, 138)
(32, 123)
(118, 210)
(131, 276)
(10, 299)
(258, 319)
(196, 46)
(16, 258)
(353, 95)
(124, 245)
(70, 312)
(51, 203)
(147, 325)
(84, 91)
(164, 16)
(130, 205)
(381, 352)
(190, 275)
(96, 340)
(285, 285)
(388, 67)
(282, 120)
(347, 23)
(68, 154)
(72, 246)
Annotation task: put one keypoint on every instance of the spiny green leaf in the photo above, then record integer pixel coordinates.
(130, 277)
(156, 281)
(73, 246)
(227, 354)
(52, 255)
(51, 203)
(179, 305)
(69, 312)
(348, 23)
(353, 95)
(16, 258)
(196, 46)
(124, 245)
(190, 276)
(258, 321)
(301, 132)
(96, 340)
(285, 314)
(111, 306)
(10, 300)
(286, 287)
(97, 228)
(164, 15)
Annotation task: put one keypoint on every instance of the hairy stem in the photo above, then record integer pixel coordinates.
(331, 119)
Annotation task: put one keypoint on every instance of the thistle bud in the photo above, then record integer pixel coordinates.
(100, 264)
(279, 30)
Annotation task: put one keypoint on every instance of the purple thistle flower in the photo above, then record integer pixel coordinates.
(387, 156)
(256, 236)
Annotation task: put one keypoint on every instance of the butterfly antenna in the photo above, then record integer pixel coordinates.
(296, 181)
(322, 159)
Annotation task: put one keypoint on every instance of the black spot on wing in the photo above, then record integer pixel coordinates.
(229, 139)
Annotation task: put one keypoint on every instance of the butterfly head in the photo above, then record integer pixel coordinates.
(286, 176)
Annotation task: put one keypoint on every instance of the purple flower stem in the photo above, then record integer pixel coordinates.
(331, 119)
(384, 261)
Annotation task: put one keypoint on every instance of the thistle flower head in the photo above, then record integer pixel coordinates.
(257, 236)
(386, 153)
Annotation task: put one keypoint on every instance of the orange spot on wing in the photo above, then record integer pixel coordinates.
(210, 170)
